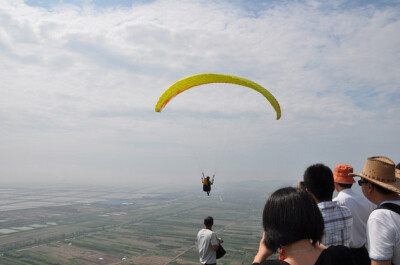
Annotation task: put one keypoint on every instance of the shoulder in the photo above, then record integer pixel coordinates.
(349, 194)
(327, 205)
(355, 202)
(342, 198)
(337, 250)
(336, 255)
(332, 208)
(208, 233)
(380, 211)
(382, 216)
(344, 209)
(383, 223)
(397, 202)
(205, 232)
(344, 193)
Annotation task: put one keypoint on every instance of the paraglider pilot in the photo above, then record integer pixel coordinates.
(207, 183)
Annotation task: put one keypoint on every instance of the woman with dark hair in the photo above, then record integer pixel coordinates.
(293, 222)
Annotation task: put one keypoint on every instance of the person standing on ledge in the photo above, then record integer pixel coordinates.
(207, 243)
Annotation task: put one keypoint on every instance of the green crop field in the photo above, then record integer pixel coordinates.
(157, 229)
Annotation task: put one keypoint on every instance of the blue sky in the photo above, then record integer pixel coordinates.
(80, 80)
(49, 4)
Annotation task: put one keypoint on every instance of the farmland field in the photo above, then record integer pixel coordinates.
(114, 226)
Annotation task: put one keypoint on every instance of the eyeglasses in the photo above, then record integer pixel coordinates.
(362, 181)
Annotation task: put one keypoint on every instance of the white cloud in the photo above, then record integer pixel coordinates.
(94, 75)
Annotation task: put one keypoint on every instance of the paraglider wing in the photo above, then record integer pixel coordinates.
(202, 79)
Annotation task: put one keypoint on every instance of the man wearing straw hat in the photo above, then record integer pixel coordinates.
(380, 185)
(359, 207)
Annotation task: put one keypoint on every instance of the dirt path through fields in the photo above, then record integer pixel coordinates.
(180, 254)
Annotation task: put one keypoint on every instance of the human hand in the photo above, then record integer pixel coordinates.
(263, 252)
(301, 185)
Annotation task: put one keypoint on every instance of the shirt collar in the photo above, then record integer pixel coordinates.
(327, 204)
(347, 191)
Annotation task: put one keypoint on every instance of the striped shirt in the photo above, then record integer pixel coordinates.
(338, 222)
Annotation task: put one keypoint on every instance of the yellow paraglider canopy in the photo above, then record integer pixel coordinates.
(202, 79)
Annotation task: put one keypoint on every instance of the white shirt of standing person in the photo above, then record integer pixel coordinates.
(206, 239)
(383, 233)
(360, 209)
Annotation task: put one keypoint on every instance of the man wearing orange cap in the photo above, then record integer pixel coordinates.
(359, 207)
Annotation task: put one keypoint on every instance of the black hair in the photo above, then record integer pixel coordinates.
(290, 215)
(345, 185)
(318, 179)
(208, 221)
(398, 166)
(381, 189)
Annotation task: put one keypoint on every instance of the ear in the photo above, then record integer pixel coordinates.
(312, 195)
(370, 188)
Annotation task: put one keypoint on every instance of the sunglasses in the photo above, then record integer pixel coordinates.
(362, 181)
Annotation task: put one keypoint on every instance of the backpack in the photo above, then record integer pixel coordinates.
(205, 181)
(390, 206)
(220, 252)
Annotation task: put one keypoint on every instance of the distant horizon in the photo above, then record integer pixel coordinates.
(194, 184)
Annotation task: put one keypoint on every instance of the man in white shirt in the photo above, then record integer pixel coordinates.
(380, 185)
(359, 207)
(207, 243)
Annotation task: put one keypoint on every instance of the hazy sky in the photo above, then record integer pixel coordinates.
(79, 81)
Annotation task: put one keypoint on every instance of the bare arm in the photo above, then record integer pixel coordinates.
(215, 247)
(263, 252)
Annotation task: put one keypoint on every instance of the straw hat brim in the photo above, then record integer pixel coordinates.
(393, 186)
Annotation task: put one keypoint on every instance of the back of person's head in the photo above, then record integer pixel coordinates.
(398, 166)
(208, 221)
(290, 215)
(318, 179)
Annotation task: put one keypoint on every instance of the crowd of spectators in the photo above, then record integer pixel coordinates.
(309, 227)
